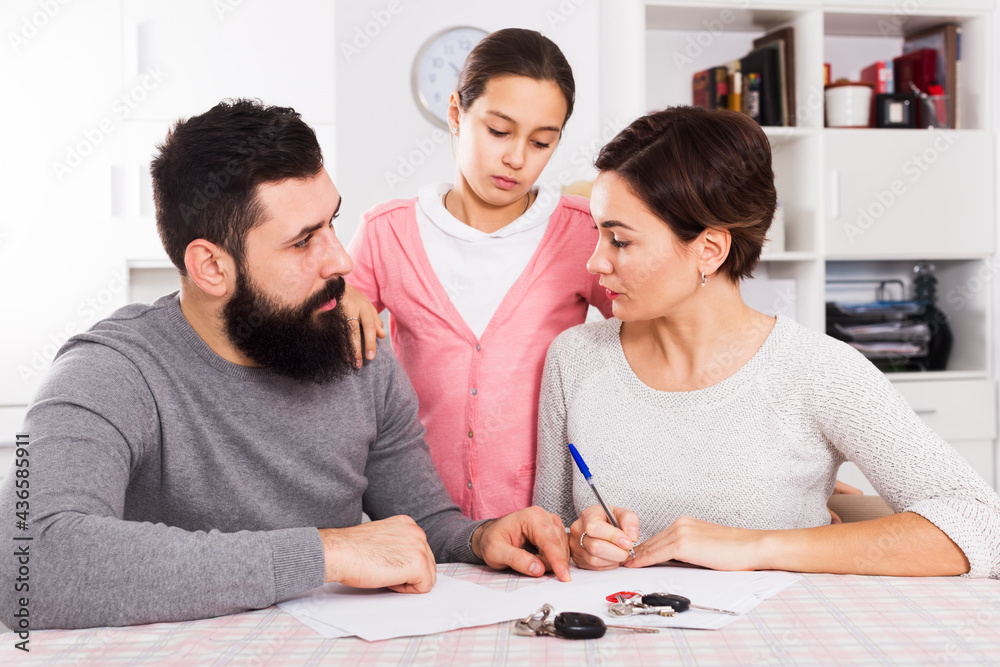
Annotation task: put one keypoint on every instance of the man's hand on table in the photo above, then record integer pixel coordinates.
(390, 553)
(499, 543)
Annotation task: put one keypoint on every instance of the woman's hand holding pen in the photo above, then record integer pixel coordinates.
(604, 547)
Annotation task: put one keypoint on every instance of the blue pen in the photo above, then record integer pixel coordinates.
(590, 480)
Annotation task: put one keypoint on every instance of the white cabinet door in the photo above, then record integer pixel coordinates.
(955, 409)
(60, 249)
(280, 52)
(980, 454)
(908, 193)
(132, 191)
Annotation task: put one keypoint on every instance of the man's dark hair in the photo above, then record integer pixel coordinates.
(206, 174)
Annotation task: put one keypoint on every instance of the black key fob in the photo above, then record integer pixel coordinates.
(575, 625)
(678, 603)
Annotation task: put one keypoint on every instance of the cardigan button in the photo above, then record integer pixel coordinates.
(473, 391)
(470, 434)
(478, 347)
(469, 485)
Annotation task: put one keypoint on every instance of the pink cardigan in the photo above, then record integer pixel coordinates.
(478, 397)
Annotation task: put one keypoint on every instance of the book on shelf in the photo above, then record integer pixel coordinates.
(735, 97)
(879, 74)
(710, 88)
(944, 41)
(751, 98)
(918, 68)
(767, 96)
(916, 72)
(783, 41)
(765, 64)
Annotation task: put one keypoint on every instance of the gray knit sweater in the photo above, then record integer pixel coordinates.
(167, 483)
(759, 450)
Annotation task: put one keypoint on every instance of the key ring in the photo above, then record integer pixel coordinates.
(532, 624)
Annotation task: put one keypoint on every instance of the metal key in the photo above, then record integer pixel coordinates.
(627, 609)
(678, 603)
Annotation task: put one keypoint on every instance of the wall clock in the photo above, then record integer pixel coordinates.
(436, 68)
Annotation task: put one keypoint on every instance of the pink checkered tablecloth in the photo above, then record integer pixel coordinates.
(820, 620)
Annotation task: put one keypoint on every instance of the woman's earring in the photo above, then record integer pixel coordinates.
(702, 278)
(454, 131)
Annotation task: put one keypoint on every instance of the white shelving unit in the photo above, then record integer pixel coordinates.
(859, 203)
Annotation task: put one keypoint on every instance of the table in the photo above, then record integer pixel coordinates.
(820, 620)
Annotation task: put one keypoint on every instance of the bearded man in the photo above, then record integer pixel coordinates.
(214, 451)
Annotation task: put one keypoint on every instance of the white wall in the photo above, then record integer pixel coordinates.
(90, 88)
(992, 104)
(93, 86)
(60, 249)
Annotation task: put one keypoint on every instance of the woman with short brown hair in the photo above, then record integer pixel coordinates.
(719, 428)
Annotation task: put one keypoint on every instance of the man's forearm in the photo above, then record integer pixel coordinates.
(93, 571)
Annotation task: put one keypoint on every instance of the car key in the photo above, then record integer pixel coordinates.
(577, 625)
(678, 603)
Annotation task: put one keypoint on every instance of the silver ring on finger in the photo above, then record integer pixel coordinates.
(581, 538)
(351, 318)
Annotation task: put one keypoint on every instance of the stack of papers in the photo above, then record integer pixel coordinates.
(334, 610)
(909, 330)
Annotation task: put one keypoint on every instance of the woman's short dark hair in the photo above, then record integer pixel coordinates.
(518, 52)
(696, 169)
(206, 173)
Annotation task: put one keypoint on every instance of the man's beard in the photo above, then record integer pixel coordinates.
(300, 342)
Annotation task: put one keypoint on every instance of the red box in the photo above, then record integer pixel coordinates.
(919, 67)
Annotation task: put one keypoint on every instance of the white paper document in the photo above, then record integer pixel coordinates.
(375, 614)
(335, 610)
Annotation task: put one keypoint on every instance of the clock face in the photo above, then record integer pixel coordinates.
(436, 68)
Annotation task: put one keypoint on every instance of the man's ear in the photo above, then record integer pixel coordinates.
(714, 245)
(210, 267)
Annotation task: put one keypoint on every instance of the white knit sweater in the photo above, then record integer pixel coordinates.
(759, 450)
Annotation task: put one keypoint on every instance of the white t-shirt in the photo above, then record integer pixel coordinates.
(477, 269)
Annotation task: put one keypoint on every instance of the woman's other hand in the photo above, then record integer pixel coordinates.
(702, 543)
(841, 487)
